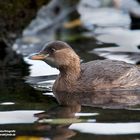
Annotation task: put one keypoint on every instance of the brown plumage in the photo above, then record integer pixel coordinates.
(92, 77)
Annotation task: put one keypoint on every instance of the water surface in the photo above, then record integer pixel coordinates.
(28, 108)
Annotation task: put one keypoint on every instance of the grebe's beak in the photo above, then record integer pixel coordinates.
(38, 56)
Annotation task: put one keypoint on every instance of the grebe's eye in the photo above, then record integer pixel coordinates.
(51, 50)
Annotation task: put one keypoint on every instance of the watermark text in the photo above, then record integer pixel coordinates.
(6, 133)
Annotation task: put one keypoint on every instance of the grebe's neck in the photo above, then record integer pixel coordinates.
(71, 72)
(69, 75)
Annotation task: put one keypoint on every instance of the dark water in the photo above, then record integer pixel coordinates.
(29, 111)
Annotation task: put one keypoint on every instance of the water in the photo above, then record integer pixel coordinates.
(28, 109)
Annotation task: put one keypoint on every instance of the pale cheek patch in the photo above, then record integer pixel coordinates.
(52, 62)
(51, 59)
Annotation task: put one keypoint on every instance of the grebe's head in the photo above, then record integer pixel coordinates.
(57, 54)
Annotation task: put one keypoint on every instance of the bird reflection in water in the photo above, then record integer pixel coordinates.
(64, 115)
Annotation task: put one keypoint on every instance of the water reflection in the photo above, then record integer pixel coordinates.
(7, 103)
(63, 122)
(124, 45)
(91, 10)
(56, 121)
(52, 121)
(107, 128)
(105, 99)
(17, 117)
(39, 68)
(127, 40)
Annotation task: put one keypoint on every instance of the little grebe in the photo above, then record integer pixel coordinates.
(98, 75)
